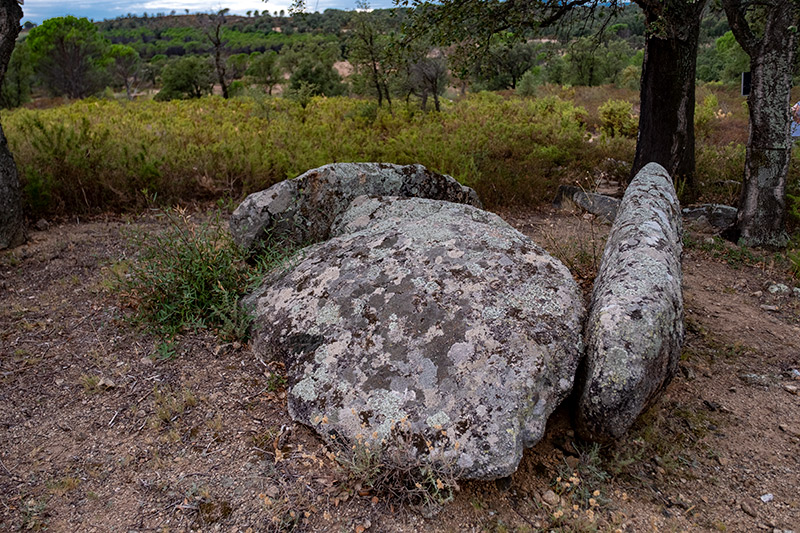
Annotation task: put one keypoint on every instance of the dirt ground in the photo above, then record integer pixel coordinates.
(99, 434)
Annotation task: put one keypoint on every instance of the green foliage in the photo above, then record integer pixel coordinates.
(125, 66)
(733, 58)
(302, 92)
(16, 89)
(317, 77)
(187, 77)
(616, 119)
(237, 88)
(237, 65)
(191, 276)
(94, 156)
(630, 77)
(69, 55)
(67, 153)
(590, 62)
(504, 63)
(265, 70)
(704, 115)
(530, 80)
(719, 168)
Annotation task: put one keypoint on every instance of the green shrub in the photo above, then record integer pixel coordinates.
(191, 276)
(93, 156)
(530, 80)
(616, 119)
(704, 115)
(719, 171)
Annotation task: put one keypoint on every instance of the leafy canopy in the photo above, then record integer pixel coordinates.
(70, 56)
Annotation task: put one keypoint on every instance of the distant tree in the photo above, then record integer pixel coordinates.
(212, 27)
(504, 62)
(768, 31)
(591, 61)
(69, 55)
(429, 78)
(733, 59)
(17, 84)
(12, 222)
(28, 25)
(319, 76)
(265, 70)
(125, 67)
(151, 71)
(186, 77)
(311, 62)
(237, 65)
(371, 51)
(426, 72)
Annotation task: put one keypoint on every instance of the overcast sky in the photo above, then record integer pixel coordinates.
(39, 10)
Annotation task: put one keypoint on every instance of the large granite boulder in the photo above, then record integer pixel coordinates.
(428, 327)
(302, 210)
(635, 329)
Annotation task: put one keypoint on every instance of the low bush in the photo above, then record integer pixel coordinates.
(93, 156)
(191, 276)
(98, 155)
(617, 120)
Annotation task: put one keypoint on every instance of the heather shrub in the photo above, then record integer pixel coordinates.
(98, 155)
(616, 119)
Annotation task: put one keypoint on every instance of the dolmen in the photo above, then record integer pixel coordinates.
(417, 324)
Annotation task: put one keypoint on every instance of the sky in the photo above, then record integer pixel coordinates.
(39, 10)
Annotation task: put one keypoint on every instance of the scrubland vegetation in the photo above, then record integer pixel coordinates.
(100, 155)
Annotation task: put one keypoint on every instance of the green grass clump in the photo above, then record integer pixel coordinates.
(191, 276)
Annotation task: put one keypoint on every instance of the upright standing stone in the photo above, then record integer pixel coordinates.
(635, 329)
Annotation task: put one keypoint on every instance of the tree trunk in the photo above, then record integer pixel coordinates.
(220, 67)
(666, 124)
(12, 223)
(762, 203)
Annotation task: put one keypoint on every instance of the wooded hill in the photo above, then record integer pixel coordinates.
(145, 52)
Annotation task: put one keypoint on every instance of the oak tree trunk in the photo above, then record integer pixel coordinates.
(666, 124)
(762, 203)
(12, 223)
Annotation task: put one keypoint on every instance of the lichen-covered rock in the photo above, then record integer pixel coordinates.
(302, 210)
(601, 205)
(635, 330)
(710, 217)
(427, 319)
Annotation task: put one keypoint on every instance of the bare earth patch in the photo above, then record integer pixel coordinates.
(99, 434)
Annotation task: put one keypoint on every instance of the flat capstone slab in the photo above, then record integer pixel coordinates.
(429, 327)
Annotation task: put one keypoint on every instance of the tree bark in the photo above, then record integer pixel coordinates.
(12, 222)
(666, 124)
(762, 203)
